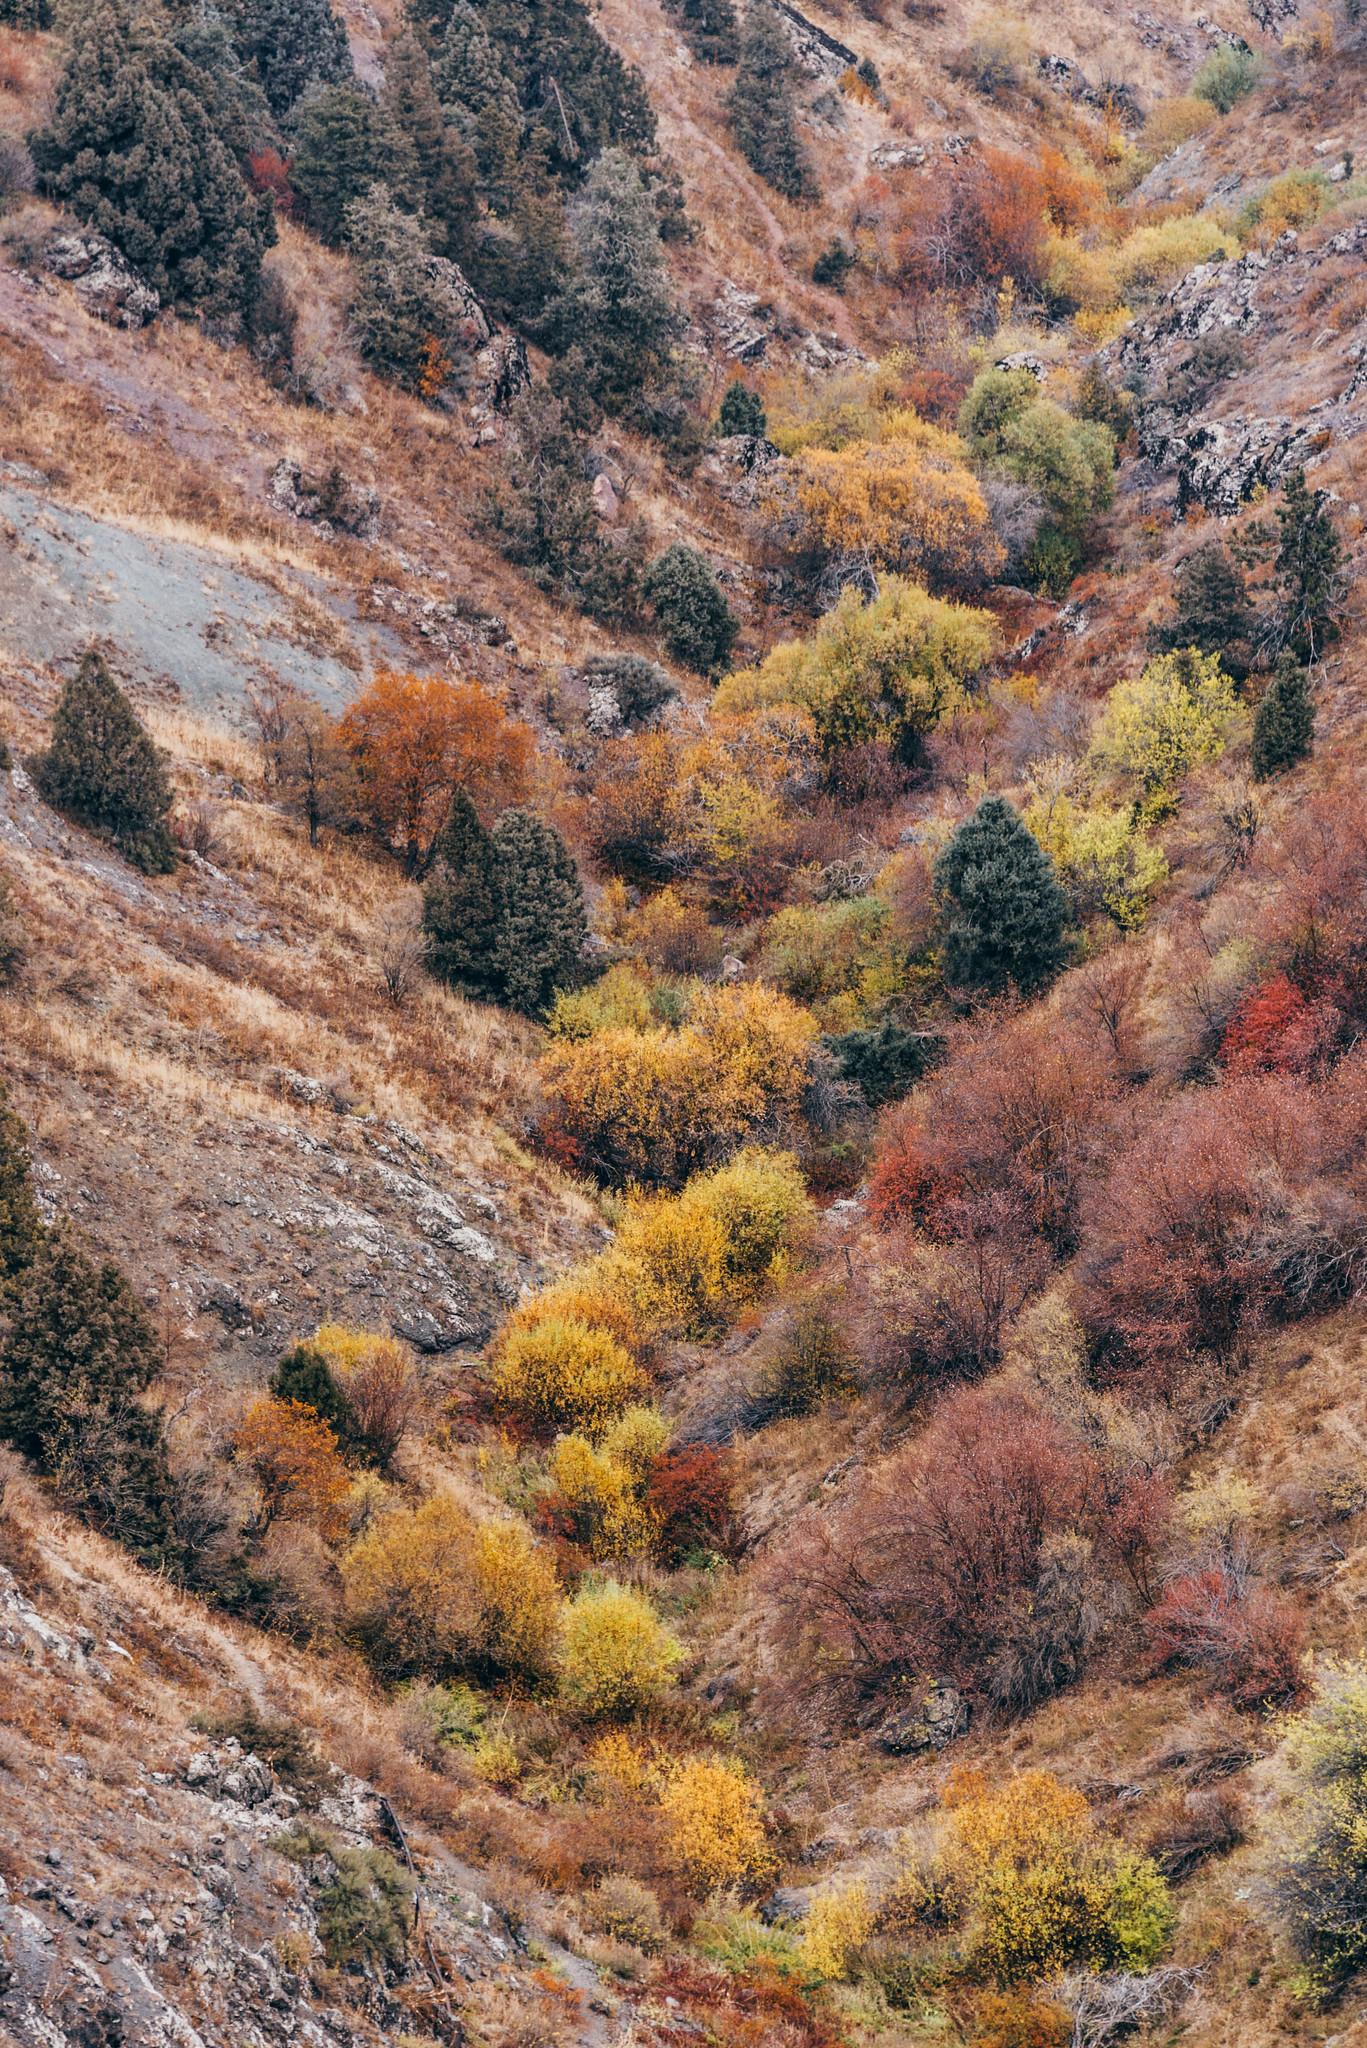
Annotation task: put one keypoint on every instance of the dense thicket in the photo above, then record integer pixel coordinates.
(101, 768)
(134, 147)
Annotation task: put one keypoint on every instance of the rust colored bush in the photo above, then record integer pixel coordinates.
(1229, 1210)
(943, 1307)
(1278, 1030)
(967, 1556)
(689, 1496)
(1021, 1114)
(267, 171)
(1247, 1639)
(415, 741)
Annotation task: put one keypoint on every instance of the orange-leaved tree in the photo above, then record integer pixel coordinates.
(295, 1465)
(416, 741)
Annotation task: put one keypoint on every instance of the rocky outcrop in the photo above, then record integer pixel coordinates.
(106, 284)
(818, 52)
(498, 375)
(929, 1723)
(331, 504)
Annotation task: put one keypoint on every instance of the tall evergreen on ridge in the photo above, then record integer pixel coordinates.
(103, 771)
(1309, 570)
(429, 168)
(460, 910)
(542, 924)
(291, 45)
(1284, 722)
(134, 150)
(1004, 912)
(79, 1353)
(474, 87)
(21, 1227)
(763, 106)
(1213, 611)
(339, 153)
(617, 312)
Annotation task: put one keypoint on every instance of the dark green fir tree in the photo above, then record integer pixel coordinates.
(542, 926)
(1284, 722)
(763, 105)
(1309, 570)
(1003, 911)
(103, 771)
(460, 913)
(698, 625)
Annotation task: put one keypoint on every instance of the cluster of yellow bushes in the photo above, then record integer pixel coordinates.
(638, 1103)
(570, 1358)
(711, 1810)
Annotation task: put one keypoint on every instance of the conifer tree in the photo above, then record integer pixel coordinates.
(21, 1227)
(763, 106)
(292, 44)
(103, 771)
(339, 153)
(617, 312)
(710, 28)
(305, 1375)
(80, 1351)
(742, 411)
(542, 518)
(403, 315)
(1212, 611)
(460, 912)
(27, 14)
(1284, 722)
(698, 625)
(473, 85)
(542, 926)
(133, 148)
(430, 168)
(1309, 570)
(1004, 912)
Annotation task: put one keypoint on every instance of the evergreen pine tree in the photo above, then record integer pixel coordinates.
(617, 311)
(134, 150)
(542, 926)
(763, 106)
(21, 1227)
(430, 169)
(404, 316)
(26, 14)
(305, 1375)
(1309, 570)
(698, 625)
(1003, 909)
(1213, 611)
(241, 115)
(710, 29)
(473, 85)
(742, 411)
(1284, 722)
(339, 153)
(542, 518)
(80, 1351)
(460, 910)
(292, 44)
(102, 770)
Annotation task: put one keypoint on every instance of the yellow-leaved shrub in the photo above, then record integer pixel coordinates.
(714, 1817)
(434, 1593)
(558, 1373)
(616, 1655)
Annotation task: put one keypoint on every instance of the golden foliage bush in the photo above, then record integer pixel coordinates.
(1035, 1887)
(616, 1655)
(380, 1379)
(837, 1924)
(653, 1106)
(714, 1815)
(559, 1373)
(905, 501)
(433, 1593)
(1157, 726)
(886, 668)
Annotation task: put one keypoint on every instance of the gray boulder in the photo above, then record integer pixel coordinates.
(105, 282)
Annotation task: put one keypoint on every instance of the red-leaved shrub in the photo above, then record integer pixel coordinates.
(689, 1495)
(981, 1553)
(1247, 1639)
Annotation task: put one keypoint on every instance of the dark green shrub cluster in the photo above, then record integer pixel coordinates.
(504, 910)
(102, 770)
(696, 622)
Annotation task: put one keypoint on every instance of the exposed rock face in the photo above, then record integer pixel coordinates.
(332, 504)
(1063, 73)
(605, 500)
(230, 1773)
(1221, 450)
(469, 323)
(500, 372)
(105, 282)
(817, 52)
(932, 1723)
(737, 464)
(744, 323)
